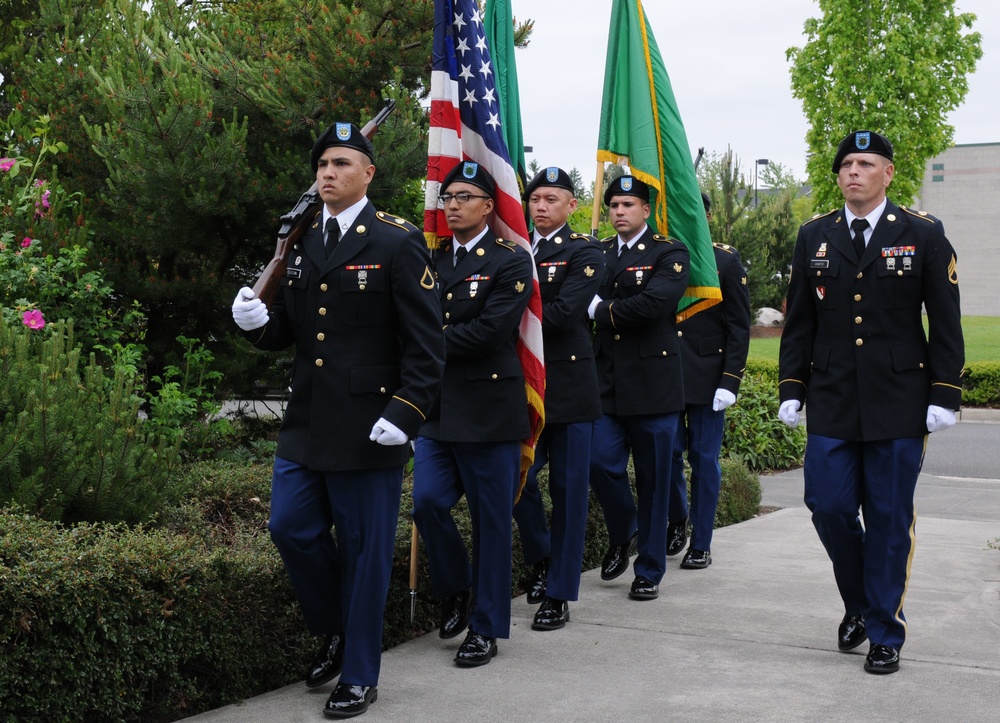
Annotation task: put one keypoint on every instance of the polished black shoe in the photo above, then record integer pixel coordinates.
(677, 537)
(851, 632)
(643, 589)
(882, 660)
(347, 701)
(616, 560)
(552, 615)
(535, 584)
(455, 612)
(696, 560)
(476, 650)
(328, 663)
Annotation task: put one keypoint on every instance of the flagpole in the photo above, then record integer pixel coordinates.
(595, 218)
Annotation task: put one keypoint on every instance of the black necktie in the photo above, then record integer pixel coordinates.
(859, 225)
(538, 246)
(460, 254)
(332, 235)
(622, 248)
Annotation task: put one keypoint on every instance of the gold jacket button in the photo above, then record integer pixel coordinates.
(319, 362)
(859, 342)
(572, 357)
(617, 337)
(448, 297)
(680, 333)
(323, 287)
(857, 319)
(921, 365)
(447, 315)
(320, 337)
(663, 353)
(857, 297)
(860, 275)
(322, 311)
(382, 389)
(493, 376)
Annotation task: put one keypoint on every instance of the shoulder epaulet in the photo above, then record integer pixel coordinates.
(819, 216)
(395, 221)
(586, 237)
(922, 215)
(317, 217)
(507, 244)
(662, 239)
(724, 247)
(608, 240)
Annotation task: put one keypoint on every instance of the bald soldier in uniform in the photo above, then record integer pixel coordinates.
(471, 442)
(569, 270)
(641, 383)
(854, 350)
(359, 304)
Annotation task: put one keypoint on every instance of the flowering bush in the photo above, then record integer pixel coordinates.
(45, 247)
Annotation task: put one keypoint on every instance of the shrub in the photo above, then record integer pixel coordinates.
(981, 385)
(754, 434)
(740, 494)
(72, 444)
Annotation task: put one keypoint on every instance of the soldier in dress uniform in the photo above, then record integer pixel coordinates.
(854, 349)
(358, 301)
(714, 346)
(471, 441)
(569, 270)
(641, 382)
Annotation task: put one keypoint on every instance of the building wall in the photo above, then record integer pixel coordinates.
(962, 188)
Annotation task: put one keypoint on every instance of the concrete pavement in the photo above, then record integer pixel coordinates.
(751, 638)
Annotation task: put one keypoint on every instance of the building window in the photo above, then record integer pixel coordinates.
(937, 166)
(937, 179)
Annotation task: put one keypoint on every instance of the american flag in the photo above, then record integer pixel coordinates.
(465, 125)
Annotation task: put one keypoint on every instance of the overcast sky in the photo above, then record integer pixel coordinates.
(727, 67)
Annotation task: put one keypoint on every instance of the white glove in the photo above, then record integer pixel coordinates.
(788, 412)
(387, 433)
(592, 309)
(249, 312)
(723, 398)
(939, 418)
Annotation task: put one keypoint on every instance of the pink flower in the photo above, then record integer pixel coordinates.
(39, 182)
(33, 319)
(45, 199)
(25, 243)
(6, 164)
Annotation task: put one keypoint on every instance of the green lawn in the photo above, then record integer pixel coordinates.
(982, 341)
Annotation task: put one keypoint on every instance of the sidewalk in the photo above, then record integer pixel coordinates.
(751, 638)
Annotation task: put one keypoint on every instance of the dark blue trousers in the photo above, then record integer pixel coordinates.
(700, 434)
(487, 474)
(341, 584)
(566, 449)
(650, 438)
(871, 562)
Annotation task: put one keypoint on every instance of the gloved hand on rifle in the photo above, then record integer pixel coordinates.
(249, 312)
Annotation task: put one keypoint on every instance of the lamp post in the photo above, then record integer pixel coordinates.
(760, 162)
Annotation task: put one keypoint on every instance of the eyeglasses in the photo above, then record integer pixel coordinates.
(463, 198)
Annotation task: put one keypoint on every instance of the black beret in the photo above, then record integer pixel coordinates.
(707, 201)
(470, 172)
(862, 142)
(551, 176)
(341, 134)
(626, 186)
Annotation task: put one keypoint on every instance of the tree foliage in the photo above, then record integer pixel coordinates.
(894, 66)
(188, 127)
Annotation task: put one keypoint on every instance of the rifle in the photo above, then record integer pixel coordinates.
(295, 222)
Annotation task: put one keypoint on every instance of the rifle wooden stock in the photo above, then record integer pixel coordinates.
(295, 222)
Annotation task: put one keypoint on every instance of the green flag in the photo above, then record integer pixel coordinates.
(640, 125)
(499, 24)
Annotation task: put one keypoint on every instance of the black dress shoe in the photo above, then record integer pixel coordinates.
(535, 585)
(677, 537)
(476, 650)
(696, 560)
(347, 701)
(328, 663)
(552, 615)
(882, 659)
(455, 612)
(616, 560)
(643, 589)
(851, 632)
